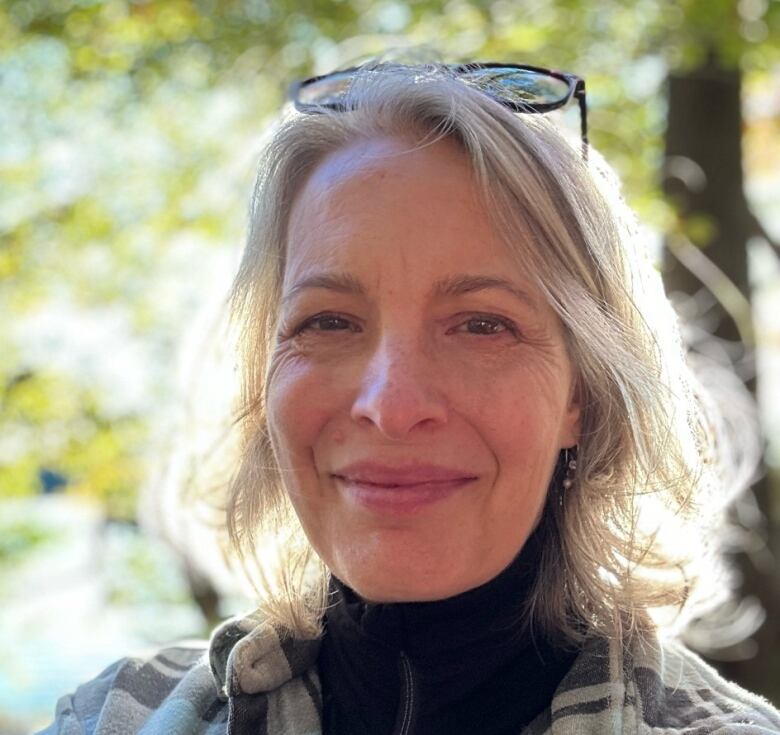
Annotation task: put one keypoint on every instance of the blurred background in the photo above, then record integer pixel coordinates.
(129, 131)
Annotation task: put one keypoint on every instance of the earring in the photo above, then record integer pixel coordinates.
(570, 460)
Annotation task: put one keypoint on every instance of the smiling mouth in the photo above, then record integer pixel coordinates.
(400, 490)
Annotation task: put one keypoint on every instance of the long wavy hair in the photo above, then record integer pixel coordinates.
(630, 536)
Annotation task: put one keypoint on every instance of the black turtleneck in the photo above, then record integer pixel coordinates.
(466, 664)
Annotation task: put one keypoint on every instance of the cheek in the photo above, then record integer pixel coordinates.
(520, 414)
(301, 403)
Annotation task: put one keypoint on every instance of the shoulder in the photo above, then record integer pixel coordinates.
(260, 670)
(675, 689)
(653, 686)
(169, 691)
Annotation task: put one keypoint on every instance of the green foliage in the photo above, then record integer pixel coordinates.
(19, 538)
(57, 426)
(141, 571)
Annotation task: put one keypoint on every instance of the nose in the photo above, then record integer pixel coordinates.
(400, 393)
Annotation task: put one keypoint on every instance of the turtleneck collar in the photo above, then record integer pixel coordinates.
(469, 656)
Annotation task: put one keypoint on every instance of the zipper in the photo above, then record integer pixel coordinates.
(407, 702)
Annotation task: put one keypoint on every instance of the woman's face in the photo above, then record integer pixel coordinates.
(420, 390)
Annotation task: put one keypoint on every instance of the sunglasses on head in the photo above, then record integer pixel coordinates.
(520, 87)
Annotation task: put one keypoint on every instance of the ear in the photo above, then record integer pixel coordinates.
(571, 425)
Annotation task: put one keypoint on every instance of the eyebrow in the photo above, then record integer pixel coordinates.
(340, 282)
(462, 284)
(455, 285)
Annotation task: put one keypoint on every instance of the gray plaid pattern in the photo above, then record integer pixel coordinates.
(255, 679)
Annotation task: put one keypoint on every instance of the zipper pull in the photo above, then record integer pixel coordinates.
(407, 703)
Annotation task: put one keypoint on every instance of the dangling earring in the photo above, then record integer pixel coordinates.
(570, 460)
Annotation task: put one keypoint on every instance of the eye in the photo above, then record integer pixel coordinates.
(328, 323)
(486, 325)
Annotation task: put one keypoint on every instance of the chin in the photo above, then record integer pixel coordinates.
(402, 586)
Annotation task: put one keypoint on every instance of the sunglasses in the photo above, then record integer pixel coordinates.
(520, 87)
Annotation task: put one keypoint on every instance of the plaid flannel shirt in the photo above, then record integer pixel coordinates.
(254, 679)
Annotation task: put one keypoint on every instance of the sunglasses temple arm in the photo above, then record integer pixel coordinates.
(583, 123)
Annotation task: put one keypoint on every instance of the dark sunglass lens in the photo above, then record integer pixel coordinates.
(328, 91)
(522, 86)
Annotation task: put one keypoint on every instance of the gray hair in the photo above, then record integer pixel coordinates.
(630, 535)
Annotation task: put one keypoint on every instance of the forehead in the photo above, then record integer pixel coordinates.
(396, 204)
(374, 178)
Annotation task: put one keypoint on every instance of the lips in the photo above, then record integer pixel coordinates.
(400, 489)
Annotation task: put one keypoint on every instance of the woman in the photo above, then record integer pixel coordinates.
(460, 382)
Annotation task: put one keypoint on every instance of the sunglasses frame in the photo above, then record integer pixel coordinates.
(575, 84)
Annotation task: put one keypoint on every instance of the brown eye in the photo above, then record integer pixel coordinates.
(329, 323)
(486, 325)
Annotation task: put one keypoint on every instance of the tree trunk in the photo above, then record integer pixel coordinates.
(704, 181)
